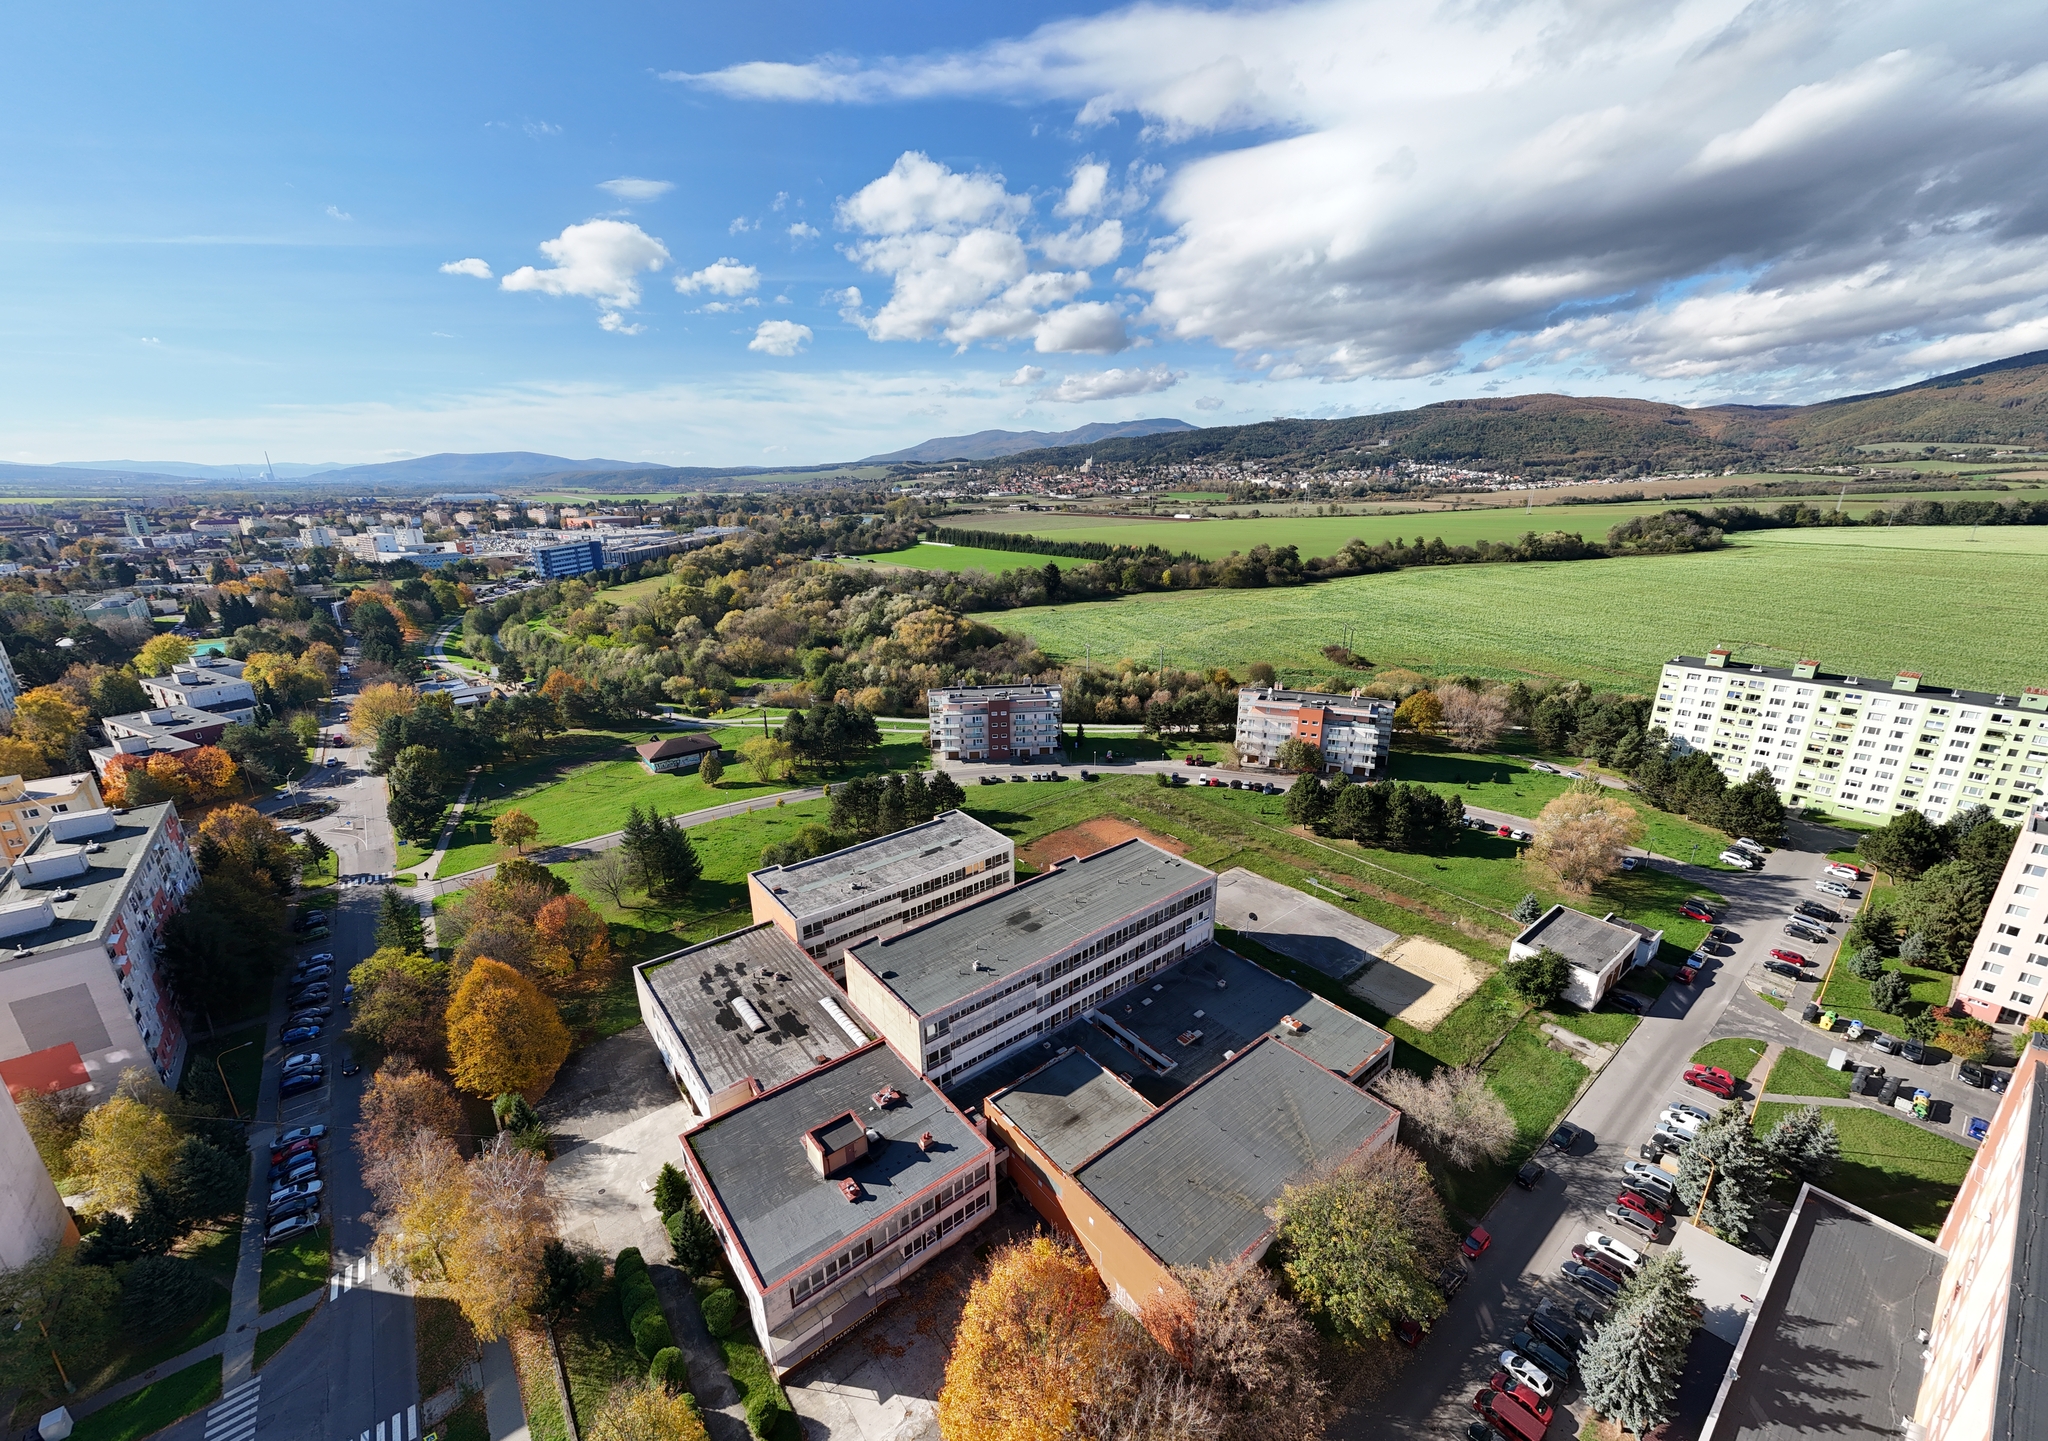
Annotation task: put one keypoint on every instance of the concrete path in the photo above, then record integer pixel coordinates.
(239, 1355)
(504, 1408)
(216, 1347)
(426, 868)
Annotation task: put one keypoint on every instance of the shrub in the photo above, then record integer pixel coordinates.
(668, 1370)
(671, 1191)
(694, 1245)
(720, 1307)
(651, 1334)
(160, 1290)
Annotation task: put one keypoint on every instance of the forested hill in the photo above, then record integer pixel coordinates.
(2003, 403)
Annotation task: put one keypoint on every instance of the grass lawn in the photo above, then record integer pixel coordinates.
(155, 1406)
(1626, 615)
(1537, 1080)
(1849, 996)
(582, 786)
(538, 1395)
(932, 555)
(1737, 1055)
(240, 1057)
(1800, 1073)
(1889, 1166)
(750, 1373)
(1603, 1027)
(597, 1349)
(271, 1340)
(293, 1269)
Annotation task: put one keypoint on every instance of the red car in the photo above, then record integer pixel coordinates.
(1411, 1332)
(1477, 1242)
(1686, 975)
(296, 1148)
(1515, 1391)
(1695, 913)
(1642, 1205)
(1506, 831)
(1791, 958)
(1711, 1078)
(1601, 1262)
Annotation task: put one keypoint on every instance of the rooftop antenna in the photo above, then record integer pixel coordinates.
(267, 470)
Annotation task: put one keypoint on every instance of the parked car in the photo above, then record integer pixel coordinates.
(1913, 1051)
(306, 975)
(1881, 1042)
(298, 1134)
(1711, 1078)
(1620, 1251)
(1974, 1073)
(304, 1060)
(1999, 1081)
(1743, 859)
(1565, 1137)
(991, 780)
(286, 1229)
(1695, 911)
(298, 1083)
(1790, 958)
(1598, 1282)
(1598, 1262)
(1530, 1176)
(1527, 1373)
(1680, 1124)
(1476, 1241)
(1844, 872)
(1521, 1395)
(315, 933)
(1543, 1354)
(1632, 1221)
(1509, 1421)
(295, 1034)
(302, 1188)
(307, 1015)
(1646, 1177)
(1662, 1143)
(324, 958)
(1834, 888)
(1550, 1317)
(293, 1146)
(1779, 968)
(1744, 843)
(311, 919)
(296, 1206)
(299, 1168)
(1686, 975)
(1978, 1128)
(1628, 1000)
(1807, 934)
(1819, 912)
(1643, 1205)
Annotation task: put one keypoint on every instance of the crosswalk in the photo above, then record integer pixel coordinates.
(392, 1431)
(234, 1417)
(355, 1273)
(365, 878)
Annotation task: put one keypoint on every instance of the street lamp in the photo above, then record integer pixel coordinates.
(224, 1076)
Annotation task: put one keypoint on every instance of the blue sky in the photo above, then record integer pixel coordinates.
(229, 228)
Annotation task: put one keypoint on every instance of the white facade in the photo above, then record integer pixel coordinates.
(2005, 981)
(995, 722)
(212, 683)
(10, 686)
(1355, 735)
(32, 1216)
(1860, 747)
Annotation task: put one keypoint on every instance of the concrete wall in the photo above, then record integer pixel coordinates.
(32, 1218)
(884, 1011)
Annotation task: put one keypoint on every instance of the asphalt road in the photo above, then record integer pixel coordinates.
(1533, 1232)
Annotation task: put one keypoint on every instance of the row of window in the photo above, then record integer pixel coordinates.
(909, 893)
(867, 1246)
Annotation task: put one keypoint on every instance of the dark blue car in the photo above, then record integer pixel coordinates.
(299, 1033)
(298, 1083)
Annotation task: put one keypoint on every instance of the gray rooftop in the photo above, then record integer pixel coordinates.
(696, 987)
(955, 955)
(883, 864)
(1195, 1181)
(1072, 1107)
(1581, 939)
(1869, 685)
(993, 692)
(1832, 1350)
(783, 1213)
(1317, 698)
(98, 891)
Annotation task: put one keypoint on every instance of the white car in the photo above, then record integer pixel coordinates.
(1844, 873)
(1700, 1113)
(1746, 844)
(1651, 1180)
(1543, 766)
(1614, 1250)
(1733, 857)
(1679, 1123)
(300, 1133)
(1834, 888)
(325, 958)
(302, 1188)
(1527, 1372)
(301, 1060)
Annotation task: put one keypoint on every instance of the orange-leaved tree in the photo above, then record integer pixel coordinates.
(576, 943)
(251, 840)
(377, 704)
(514, 828)
(400, 1103)
(1582, 835)
(503, 1034)
(493, 1266)
(1029, 1347)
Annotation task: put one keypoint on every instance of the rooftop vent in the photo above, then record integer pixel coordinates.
(22, 917)
(886, 1097)
(836, 1144)
(1293, 1026)
(850, 1189)
(746, 1012)
(81, 823)
(927, 1141)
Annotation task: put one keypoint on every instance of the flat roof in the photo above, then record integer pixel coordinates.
(1581, 939)
(1877, 685)
(167, 717)
(1072, 1107)
(1323, 699)
(696, 988)
(955, 955)
(99, 890)
(1833, 1346)
(993, 692)
(780, 1210)
(830, 881)
(1195, 1181)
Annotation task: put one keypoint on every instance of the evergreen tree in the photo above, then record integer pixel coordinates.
(671, 1191)
(197, 615)
(1306, 802)
(1804, 1144)
(1753, 809)
(1631, 1368)
(1527, 909)
(1726, 1164)
(1908, 845)
(945, 793)
(894, 815)
(1914, 948)
(205, 1182)
(1866, 964)
(1891, 992)
(398, 924)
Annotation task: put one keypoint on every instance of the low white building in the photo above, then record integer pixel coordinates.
(995, 722)
(1598, 950)
(211, 683)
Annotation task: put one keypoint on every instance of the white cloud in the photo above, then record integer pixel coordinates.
(802, 232)
(1086, 248)
(1209, 402)
(1825, 195)
(599, 259)
(337, 213)
(780, 337)
(1025, 375)
(724, 276)
(538, 128)
(472, 267)
(616, 323)
(1115, 383)
(1092, 327)
(920, 194)
(632, 188)
(741, 225)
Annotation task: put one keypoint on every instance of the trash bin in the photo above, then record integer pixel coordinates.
(55, 1425)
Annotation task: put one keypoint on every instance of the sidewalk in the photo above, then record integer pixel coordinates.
(432, 863)
(238, 1355)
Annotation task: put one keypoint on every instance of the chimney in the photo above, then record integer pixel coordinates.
(1806, 669)
(927, 1141)
(1292, 1026)
(1718, 657)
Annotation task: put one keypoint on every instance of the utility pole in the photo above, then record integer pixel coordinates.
(224, 1076)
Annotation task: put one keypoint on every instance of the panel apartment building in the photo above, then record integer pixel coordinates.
(2005, 980)
(882, 886)
(1855, 745)
(956, 993)
(1354, 735)
(995, 722)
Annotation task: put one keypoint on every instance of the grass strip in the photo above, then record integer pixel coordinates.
(1602, 1028)
(271, 1339)
(1890, 1167)
(1799, 1073)
(292, 1270)
(207, 1323)
(155, 1406)
(1737, 1055)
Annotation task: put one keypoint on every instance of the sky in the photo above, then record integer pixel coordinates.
(795, 233)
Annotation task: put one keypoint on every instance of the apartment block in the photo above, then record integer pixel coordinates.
(955, 993)
(10, 686)
(2005, 980)
(880, 887)
(212, 684)
(995, 722)
(82, 914)
(832, 1188)
(1868, 747)
(578, 557)
(1599, 949)
(1355, 735)
(27, 807)
(171, 729)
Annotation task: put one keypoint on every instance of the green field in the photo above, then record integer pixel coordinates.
(1890, 1167)
(1959, 540)
(931, 555)
(1608, 622)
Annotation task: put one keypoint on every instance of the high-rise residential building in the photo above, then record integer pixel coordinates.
(1866, 747)
(1354, 734)
(577, 557)
(995, 722)
(2005, 980)
(33, 1220)
(10, 686)
(27, 807)
(136, 522)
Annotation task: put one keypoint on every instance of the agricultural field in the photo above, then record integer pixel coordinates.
(1956, 540)
(931, 555)
(1611, 623)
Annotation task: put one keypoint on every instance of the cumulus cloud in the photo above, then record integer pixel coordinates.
(724, 276)
(632, 188)
(1115, 383)
(958, 266)
(1091, 328)
(599, 259)
(1086, 248)
(801, 231)
(780, 337)
(1025, 375)
(1209, 402)
(741, 225)
(1817, 194)
(335, 212)
(471, 267)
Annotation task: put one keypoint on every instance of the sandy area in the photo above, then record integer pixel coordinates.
(1420, 981)
(1089, 837)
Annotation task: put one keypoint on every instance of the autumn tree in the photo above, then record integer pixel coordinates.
(161, 652)
(1249, 1355)
(711, 769)
(51, 721)
(1474, 720)
(576, 942)
(242, 837)
(401, 1000)
(422, 1191)
(492, 1266)
(19, 758)
(1453, 1116)
(503, 1034)
(640, 1410)
(1299, 756)
(401, 1103)
(1027, 1350)
(514, 828)
(120, 1141)
(770, 757)
(1364, 1243)
(1581, 836)
(377, 703)
(1421, 712)
(610, 875)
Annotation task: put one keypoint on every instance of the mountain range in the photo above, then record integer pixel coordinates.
(994, 444)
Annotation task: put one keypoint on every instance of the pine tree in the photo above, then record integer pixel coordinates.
(1631, 1368)
(1804, 1144)
(398, 924)
(1726, 1164)
(671, 1191)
